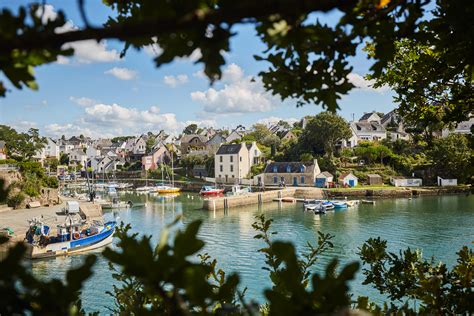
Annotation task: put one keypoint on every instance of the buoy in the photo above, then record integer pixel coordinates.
(76, 235)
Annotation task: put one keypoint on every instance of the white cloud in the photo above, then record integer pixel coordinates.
(57, 130)
(85, 52)
(155, 50)
(122, 73)
(174, 81)
(240, 94)
(116, 116)
(83, 101)
(202, 123)
(365, 85)
(273, 120)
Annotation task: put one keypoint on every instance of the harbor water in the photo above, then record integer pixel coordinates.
(439, 226)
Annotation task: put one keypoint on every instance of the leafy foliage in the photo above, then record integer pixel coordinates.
(22, 293)
(21, 146)
(323, 132)
(406, 276)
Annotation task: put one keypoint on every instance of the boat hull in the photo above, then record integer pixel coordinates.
(167, 191)
(214, 192)
(70, 247)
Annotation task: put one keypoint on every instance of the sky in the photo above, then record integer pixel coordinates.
(98, 94)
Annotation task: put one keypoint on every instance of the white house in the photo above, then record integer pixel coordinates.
(447, 182)
(400, 181)
(78, 156)
(92, 152)
(139, 147)
(51, 149)
(3, 150)
(461, 128)
(232, 163)
(348, 179)
(369, 131)
(255, 154)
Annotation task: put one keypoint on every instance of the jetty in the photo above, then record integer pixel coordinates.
(258, 198)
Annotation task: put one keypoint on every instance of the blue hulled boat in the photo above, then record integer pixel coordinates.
(72, 237)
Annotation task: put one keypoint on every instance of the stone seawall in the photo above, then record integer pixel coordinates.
(394, 193)
(255, 198)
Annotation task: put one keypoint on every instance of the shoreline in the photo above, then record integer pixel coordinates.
(395, 192)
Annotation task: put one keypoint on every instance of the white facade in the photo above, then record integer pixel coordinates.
(447, 182)
(348, 180)
(255, 154)
(232, 163)
(78, 156)
(51, 149)
(406, 182)
(92, 152)
(139, 147)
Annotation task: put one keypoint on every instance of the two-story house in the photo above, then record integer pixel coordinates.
(231, 163)
(291, 173)
(159, 155)
(193, 144)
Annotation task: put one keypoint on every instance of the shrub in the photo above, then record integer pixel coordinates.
(15, 200)
(51, 182)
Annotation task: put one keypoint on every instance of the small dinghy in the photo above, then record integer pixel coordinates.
(328, 205)
(339, 204)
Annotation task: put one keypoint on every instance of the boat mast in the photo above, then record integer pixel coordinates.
(172, 170)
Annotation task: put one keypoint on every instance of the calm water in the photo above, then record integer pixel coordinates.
(437, 225)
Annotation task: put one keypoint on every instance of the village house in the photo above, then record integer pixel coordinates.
(401, 181)
(158, 156)
(324, 180)
(464, 127)
(348, 180)
(213, 144)
(287, 136)
(92, 151)
(50, 150)
(3, 150)
(236, 134)
(365, 131)
(78, 156)
(200, 171)
(193, 144)
(255, 154)
(291, 173)
(232, 163)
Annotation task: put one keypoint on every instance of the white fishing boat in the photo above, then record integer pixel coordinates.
(73, 236)
(239, 190)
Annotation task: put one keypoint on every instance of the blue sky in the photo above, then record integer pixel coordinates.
(98, 94)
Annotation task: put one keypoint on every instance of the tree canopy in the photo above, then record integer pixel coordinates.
(307, 60)
(22, 146)
(323, 132)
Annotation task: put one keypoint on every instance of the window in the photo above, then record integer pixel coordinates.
(302, 168)
(275, 179)
(221, 168)
(302, 179)
(255, 152)
(240, 158)
(231, 158)
(231, 168)
(220, 159)
(288, 169)
(275, 169)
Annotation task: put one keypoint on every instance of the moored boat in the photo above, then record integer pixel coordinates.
(164, 189)
(339, 204)
(328, 205)
(72, 237)
(210, 190)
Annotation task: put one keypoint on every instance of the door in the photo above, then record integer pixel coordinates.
(351, 183)
(295, 181)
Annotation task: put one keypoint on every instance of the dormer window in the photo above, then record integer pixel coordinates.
(302, 168)
(275, 169)
(288, 169)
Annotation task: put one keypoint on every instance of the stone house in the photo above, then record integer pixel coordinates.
(193, 144)
(291, 173)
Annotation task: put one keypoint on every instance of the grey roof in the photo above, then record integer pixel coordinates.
(373, 175)
(325, 174)
(465, 126)
(368, 127)
(287, 167)
(229, 149)
(188, 138)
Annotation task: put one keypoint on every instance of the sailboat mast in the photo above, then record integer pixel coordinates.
(172, 170)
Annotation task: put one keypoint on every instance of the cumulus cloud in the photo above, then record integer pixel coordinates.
(202, 123)
(174, 81)
(273, 120)
(122, 73)
(82, 101)
(86, 52)
(114, 115)
(240, 94)
(363, 84)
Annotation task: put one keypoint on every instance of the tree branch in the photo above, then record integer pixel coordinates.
(238, 13)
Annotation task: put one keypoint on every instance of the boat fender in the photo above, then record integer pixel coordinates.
(76, 235)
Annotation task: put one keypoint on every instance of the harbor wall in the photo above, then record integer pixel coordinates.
(395, 193)
(255, 198)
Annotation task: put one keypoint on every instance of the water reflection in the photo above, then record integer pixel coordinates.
(438, 225)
